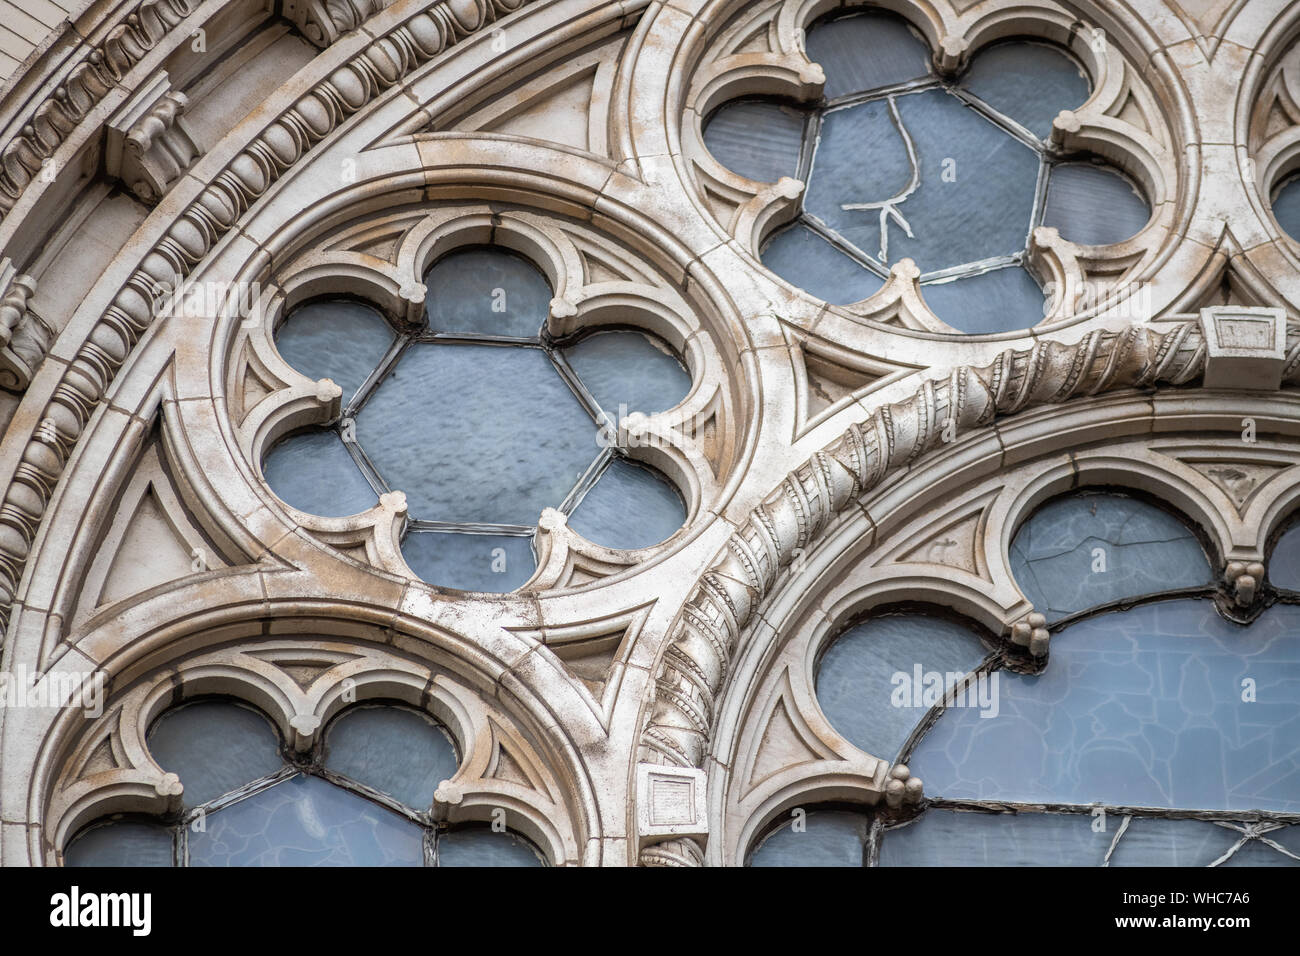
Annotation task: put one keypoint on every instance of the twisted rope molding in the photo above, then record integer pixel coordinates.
(381, 65)
(704, 638)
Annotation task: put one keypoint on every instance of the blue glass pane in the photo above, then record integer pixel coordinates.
(215, 747)
(1284, 563)
(952, 838)
(1151, 841)
(495, 563)
(808, 261)
(757, 139)
(486, 291)
(1029, 82)
(481, 846)
(314, 472)
(865, 52)
(828, 838)
(974, 185)
(630, 506)
(305, 821)
(629, 371)
(1093, 205)
(996, 301)
(1259, 853)
(877, 679)
(477, 433)
(1081, 551)
(1138, 708)
(396, 751)
(335, 339)
(861, 156)
(124, 843)
(1286, 208)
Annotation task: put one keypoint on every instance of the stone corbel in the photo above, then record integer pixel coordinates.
(24, 338)
(324, 21)
(148, 145)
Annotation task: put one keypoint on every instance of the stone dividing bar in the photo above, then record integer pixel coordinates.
(705, 637)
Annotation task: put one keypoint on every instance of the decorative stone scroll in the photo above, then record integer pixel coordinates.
(24, 338)
(148, 144)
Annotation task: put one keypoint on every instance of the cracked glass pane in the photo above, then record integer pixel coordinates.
(477, 433)
(1153, 841)
(953, 838)
(1286, 207)
(877, 680)
(1093, 205)
(819, 838)
(295, 467)
(481, 846)
(486, 291)
(305, 821)
(395, 750)
(996, 301)
(1085, 550)
(865, 52)
(1259, 853)
(971, 198)
(1284, 562)
(756, 138)
(495, 563)
(215, 747)
(1163, 705)
(1029, 82)
(629, 372)
(806, 260)
(861, 156)
(335, 339)
(630, 506)
(121, 843)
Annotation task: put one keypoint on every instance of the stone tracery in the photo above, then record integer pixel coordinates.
(803, 423)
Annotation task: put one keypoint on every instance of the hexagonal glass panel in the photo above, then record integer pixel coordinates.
(482, 422)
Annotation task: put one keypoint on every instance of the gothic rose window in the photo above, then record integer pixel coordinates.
(1159, 733)
(900, 163)
(364, 800)
(482, 420)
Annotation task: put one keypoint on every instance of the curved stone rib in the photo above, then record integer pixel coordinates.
(703, 639)
(214, 212)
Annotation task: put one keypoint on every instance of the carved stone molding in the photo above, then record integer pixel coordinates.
(380, 65)
(705, 637)
(149, 144)
(100, 69)
(24, 338)
(324, 21)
